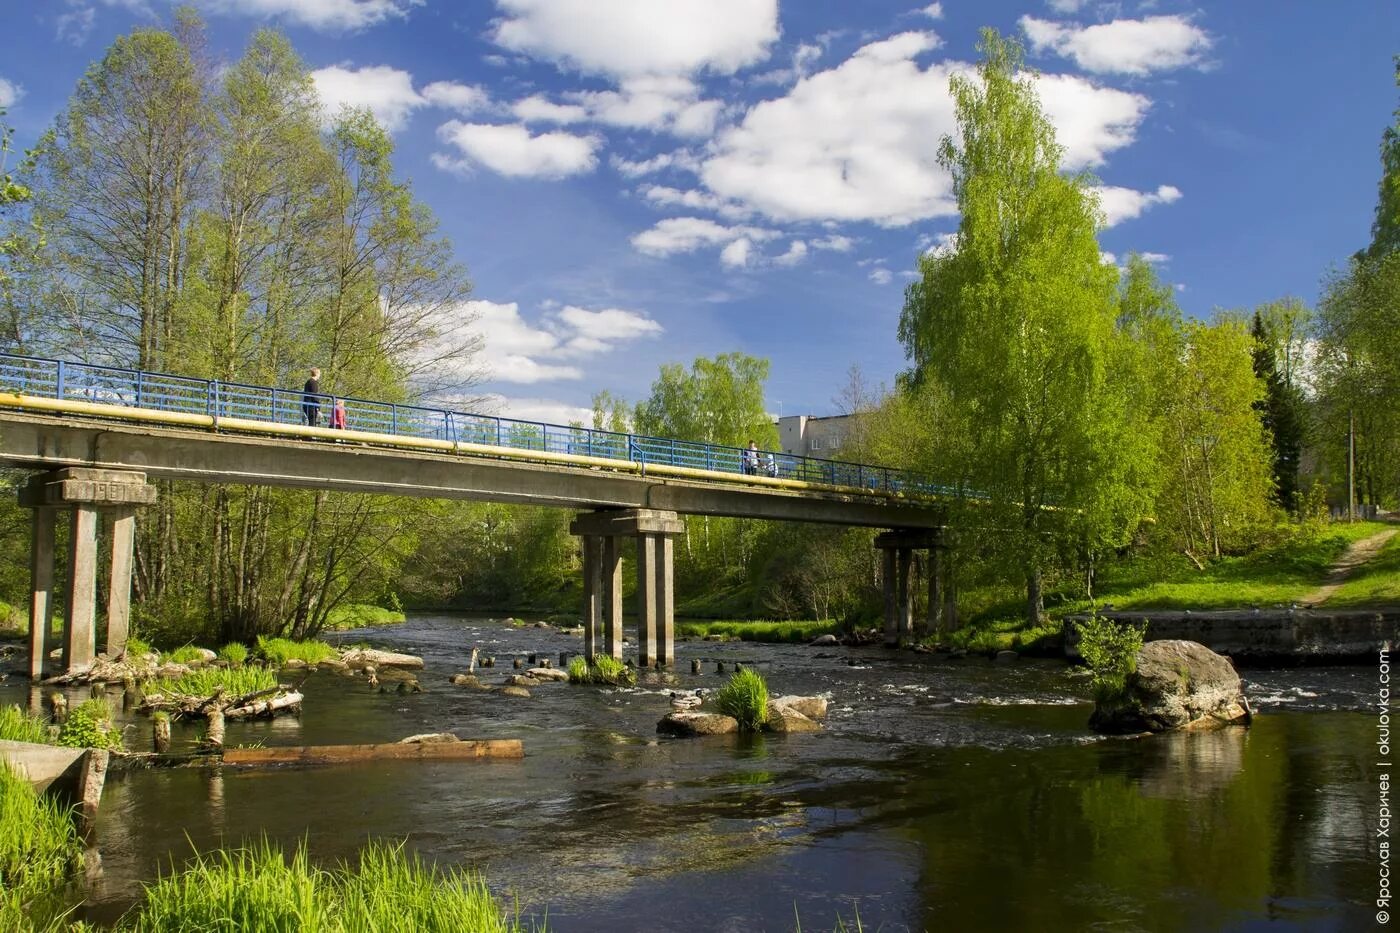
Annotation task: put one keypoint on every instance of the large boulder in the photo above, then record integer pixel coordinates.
(692, 722)
(1177, 685)
(360, 658)
(548, 673)
(783, 718)
(813, 708)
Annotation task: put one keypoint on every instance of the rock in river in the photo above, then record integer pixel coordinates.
(813, 708)
(827, 639)
(696, 723)
(1177, 685)
(513, 691)
(429, 738)
(786, 719)
(547, 673)
(358, 658)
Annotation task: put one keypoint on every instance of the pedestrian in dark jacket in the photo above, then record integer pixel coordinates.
(311, 398)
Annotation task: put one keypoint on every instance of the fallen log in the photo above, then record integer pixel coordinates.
(395, 751)
(286, 703)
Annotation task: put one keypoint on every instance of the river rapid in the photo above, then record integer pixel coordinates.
(943, 794)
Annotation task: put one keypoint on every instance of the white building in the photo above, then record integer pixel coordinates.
(811, 436)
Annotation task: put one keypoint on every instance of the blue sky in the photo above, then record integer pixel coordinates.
(633, 182)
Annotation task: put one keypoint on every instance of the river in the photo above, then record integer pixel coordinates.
(943, 794)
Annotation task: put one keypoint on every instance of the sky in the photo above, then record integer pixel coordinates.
(636, 182)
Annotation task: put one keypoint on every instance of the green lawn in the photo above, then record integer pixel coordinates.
(755, 630)
(1375, 583)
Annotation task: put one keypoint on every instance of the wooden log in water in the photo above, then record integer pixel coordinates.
(287, 702)
(396, 751)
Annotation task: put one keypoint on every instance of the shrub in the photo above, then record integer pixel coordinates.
(184, 655)
(205, 682)
(745, 697)
(578, 670)
(362, 615)
(17, 725)
(259, 889)
(281, 650)
(89, 725)
(602, 669)
(136, 647)
(39, 851)
(235, 653)
(1110, 650)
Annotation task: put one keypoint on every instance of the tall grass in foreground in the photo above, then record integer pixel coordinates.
(745, 697)
(19, 725)
(259, 889)
(281, 650)
(234, 681)
(39, 852)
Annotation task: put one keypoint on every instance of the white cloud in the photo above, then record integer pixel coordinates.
(1067, 7)
(537, 109)
(940, 244)
(512, 151)
(328, 15)
(630, 38)
(10, 93)
(386, 92)
(517, 351)
(1156, 259)
(657, 103)
(687, 234)
(933, 11)
(736, 254)
(797, 251)
(1120, 204)
(1124, 46)
(680, 159)
(881, 276)
(76, 25)
(664, 196)
(836, 243)
(551, 411)
(859, 142)
(463, 98)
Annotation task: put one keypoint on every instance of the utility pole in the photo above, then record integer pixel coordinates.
(1351, 466)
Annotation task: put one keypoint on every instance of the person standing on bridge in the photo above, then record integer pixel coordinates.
(338, 415)
(751, 459)
(311, 398)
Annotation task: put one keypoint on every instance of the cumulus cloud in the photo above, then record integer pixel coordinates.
(687, 234)
(10, 93)
(858, 142)
(516, 350)
(933, 11)
(76, 25)
(537, 109)
(663, 196)
(632, 38)
(386, 92)
(736, 254)
(836, 243)
(1120, 204)
(658, 103)
(512, 150)
(796, 252)
(940, 244)
(1124, 46)
(548, 410)
(451, 95)
(325, 15)
(680, 159)
(881, 276)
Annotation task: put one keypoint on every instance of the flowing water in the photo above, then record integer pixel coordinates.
(943, 794)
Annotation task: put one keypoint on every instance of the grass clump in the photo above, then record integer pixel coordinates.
(89, 725)
(19, 725)
(1110, 650)
(184, 655)
(259, 889)
(136, 647)
(601, 669)
(362, 615)
(235, 653)
(745, 697)
(281, 650)
(759, 630)
(40, 850)
(205, 682)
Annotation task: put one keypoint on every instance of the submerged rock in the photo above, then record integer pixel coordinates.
(1006, 657)
(691, 723)
(429, 738)
(465, 680)
(513, 691)
(358, 658)
(813, 708)
(521, 680)
(547, 673)
(1177, 685)
(825, 640)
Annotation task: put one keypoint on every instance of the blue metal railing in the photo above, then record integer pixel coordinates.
(108, 385)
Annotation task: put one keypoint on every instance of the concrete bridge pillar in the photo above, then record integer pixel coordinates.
(87, 495)
(898, 548)
(602, 534)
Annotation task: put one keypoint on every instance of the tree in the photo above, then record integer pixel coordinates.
(1278, 330)
(719, 401)
(1385, 231)
(1014, 329)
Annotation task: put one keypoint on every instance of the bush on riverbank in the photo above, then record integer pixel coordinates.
(602, 669)
(758, 630)
(39, 852)
(279, 651)
(89, 725)
(259, 889)
(19, 725)
(362, 615)
(745, 697)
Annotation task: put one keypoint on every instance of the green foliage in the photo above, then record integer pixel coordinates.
(19, 725)
(719, 401)
(362, 615)
(184, 655)
(205, 682)
(235, 653)
(259, 889)
(745, 697)
(1110, 650)
(1279, 330)
(758, 630)
(136, 647)
(89, 725)
(40, 851)
(601, 669)
(279, 651)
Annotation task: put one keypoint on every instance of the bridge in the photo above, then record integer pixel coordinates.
(100, 433)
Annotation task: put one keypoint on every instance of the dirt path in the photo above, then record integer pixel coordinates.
(1354, 556)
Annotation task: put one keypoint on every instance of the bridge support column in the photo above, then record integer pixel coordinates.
(898, 548)
(592, 592)
(653, 531)
(86, 494)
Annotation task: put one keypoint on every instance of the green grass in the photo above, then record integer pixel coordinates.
(258, 888)
(40, 850)
(361, 615)
(281, 650)
(1374, 583)
(234, 681)
(89, 725)
(135, 647)
(745, 697)
(603, 669)
(235, 653)
(758, 630)
(184, 655)
(18, 725)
